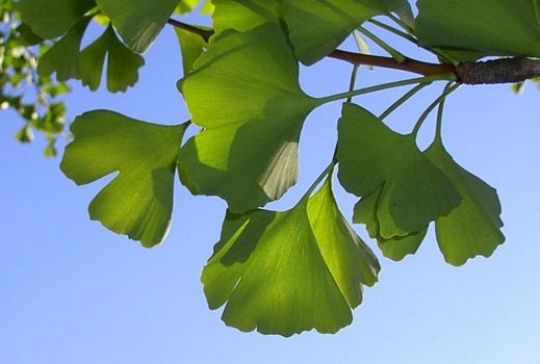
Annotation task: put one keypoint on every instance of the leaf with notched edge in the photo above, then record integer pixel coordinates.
(288, 272)
(138, 201)
(473, 228)
(252, 114)
(372, 156)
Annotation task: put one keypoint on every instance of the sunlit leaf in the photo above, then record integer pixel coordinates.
(372, 156)
(473, 228)
(138, 201)
(288, 272)
(244, 15)
(138, 21)
(317, 27)
(247, 151)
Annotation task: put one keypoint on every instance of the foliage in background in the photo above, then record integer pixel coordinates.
(33, 96)
(276, 272)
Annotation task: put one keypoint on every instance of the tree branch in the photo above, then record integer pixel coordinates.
(505, 70)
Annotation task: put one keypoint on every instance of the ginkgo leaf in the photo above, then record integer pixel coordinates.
(247, 150)
(371, 155)
(244, 15)
(192, 46)
(288, 272)
(497, 27)
(403, 10)
(317, 27)
(397, 248)
(122, 64)
(63, 57)
(139, 22)
(473, 228)
(138, 201)
(52, 18)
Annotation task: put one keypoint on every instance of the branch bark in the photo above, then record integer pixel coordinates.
(498, 71)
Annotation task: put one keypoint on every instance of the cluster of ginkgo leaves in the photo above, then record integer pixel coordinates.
(32, 96)
(304, 268)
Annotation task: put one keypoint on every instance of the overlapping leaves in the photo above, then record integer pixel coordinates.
(138, 201)
(403, 190)
(288, 272)
(252, 120)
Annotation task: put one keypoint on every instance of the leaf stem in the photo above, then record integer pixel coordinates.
(398, 21)
(440, 113)
(352, 83)
(400, 58)
(393, 30)
(402, 100)
(325, 173)
(447, 91)
(385, 86)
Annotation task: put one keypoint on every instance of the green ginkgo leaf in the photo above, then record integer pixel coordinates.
(317, 27)
(63, 57)
(244, 15)
(403, 10)
(496, 27)
(372, 156)
(122, 64)
(192, 46)
(365, 212)
(248, 149)
(139, 22)
(52, 18)
(138, 201)
(288, 272)
(473, 228)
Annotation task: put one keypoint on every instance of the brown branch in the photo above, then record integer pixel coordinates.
(409, 65)
(506, 70)
(503, 70)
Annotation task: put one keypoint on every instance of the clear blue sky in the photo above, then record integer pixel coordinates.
(73, 292)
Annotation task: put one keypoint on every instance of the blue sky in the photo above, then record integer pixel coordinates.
(73, 292)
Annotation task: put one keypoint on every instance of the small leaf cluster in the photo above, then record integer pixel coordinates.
(35, 98)
(281, 272)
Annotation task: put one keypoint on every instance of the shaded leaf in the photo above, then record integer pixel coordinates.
(63, 57)
(371, 156)
(397, 248)
(473, 228)
(247, 151)
(138, 201)
(139, 22)
(512, 27)
(52, 18)
(317, 27)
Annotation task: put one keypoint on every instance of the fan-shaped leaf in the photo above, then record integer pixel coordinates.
(122, 66)
(252, 113)
(473, 228)
(371, 156)
(288, 272)
(138, 202)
